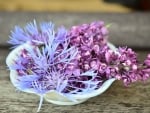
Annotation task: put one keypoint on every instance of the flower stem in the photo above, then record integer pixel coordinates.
(40, 104)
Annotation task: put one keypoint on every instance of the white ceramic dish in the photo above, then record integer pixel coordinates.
(54, 96)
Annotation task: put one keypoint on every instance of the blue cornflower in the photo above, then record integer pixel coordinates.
(37, 34)
(42, 62)
(70, 66)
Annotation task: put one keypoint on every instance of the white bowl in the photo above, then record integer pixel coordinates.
(54, 96)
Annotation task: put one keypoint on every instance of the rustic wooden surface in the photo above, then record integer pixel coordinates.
(117, 99)
(132, 29)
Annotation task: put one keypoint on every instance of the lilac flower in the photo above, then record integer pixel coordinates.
(49, 64)
(125, 66)
(91, 41)
(72, 62)
(95, 53)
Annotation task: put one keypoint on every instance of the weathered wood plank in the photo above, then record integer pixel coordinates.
(117, 99)
(131, 29)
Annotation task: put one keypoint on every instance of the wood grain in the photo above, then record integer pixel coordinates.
(117, 99)
(127, 29)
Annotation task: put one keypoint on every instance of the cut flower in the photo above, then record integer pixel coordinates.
(72, 65)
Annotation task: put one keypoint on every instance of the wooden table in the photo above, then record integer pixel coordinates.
(130, 29)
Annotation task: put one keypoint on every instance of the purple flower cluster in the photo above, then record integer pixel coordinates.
(72, 62)
(50, 63)
(91, 40)
(126, 66)
(95, 53)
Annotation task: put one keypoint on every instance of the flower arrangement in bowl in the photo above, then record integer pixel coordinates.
(67, 67)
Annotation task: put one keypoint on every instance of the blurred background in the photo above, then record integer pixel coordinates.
(130, 26)
(129, 18)
(75, 5)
